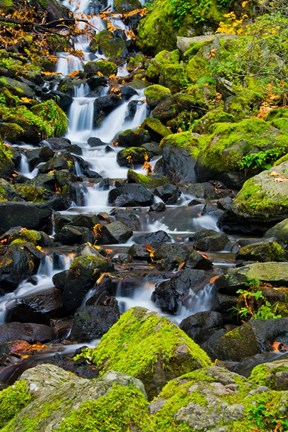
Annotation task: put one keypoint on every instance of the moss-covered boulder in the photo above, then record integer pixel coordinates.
(248, 145)
(264, 196)
(105, 67)
(180, 152)
(121, 6)
(273, 375)
(275, 273)
(16, 87)
(13, 400)
(155, 65)
(155, 128)
(219, 400)
(62, 401)
(149, 347)
(6, 163)
(279, 232)
(262, 251)
(148, 181)
(111, 47)
(155, 93)
(133, 137)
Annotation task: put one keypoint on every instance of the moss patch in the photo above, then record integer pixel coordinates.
(12, 400)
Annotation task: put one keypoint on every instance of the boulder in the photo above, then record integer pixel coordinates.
(202, 325)
(279, 232)
(209, 240)
(264, 197)
(132, 156)
(133, 137)
(114, 233)
(252, 337)
(170, 256)
(70, 235)
(149, 347)
(273, 375)
(152, 238)
(92, 322)
(130, 195)
(168, 193)
(262, 252)
(28, 215)
(234, 279)
(30, 332)
(47, 392)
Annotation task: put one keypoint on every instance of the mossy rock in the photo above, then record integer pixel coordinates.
(203, 400)
(197, 67)
(64, 402)
(105, 67)
(112, 48)
(156, 129)
(174, 77)
(247, 145)
(16, 87)
(132, 156)
(155, 93)
(183, 140)
(206, 124)
(262, 251)
(148, 181)
(122, 6)
(279, 232)
(156, 31)
(54, 115)
(275, 273)
(149, 347)
(13, 400)
(133, 137)
(273, 375)
(264, 196)
(6, 163)
(161, 59)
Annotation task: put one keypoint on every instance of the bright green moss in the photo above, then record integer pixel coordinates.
(155, 93)
(184, 140)
(147, 181)
(121, 409)
(142, 341)
(31, 192)
(53, 114)
(12, 400)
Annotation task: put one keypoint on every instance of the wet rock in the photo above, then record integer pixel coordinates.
(262, 252)
(80, 220)
(279, 232)
(92, 322)
(202, 325)
(95, 142)
(28, 215)
(70, 235)
(81, 277)
(23, 235)
(126, 5)
(129, 217)
(238, 278)
(38, 307)
(156, 129)
(133, 137)
(168, 193)
(56, 144)
(38, 155)
(27, 331)
(17, 262)
(114, 233)
(208, 190)
(152, 238)
(179, 291)
(172, 255)
(252, 337)
(130, 195)
(158, 207)
(209, 240)
(132, 156)
(103, 106)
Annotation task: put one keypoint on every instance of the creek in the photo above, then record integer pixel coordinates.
(178, 220)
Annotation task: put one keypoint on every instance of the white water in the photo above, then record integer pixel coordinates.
(24, 168)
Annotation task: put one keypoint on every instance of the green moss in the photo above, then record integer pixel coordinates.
(156, 129)
(53, 114)
(12, 400)
(174, 76)
(155, 93)
(232, 145)
(184, 140)
(148, 181)
(142, 341)
(263, 251)
(105, 67)
(111, 47)
(31, 192)
(6, 164)
(121, 409)
(197, 68)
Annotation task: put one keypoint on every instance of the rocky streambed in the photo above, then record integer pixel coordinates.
(112, 215)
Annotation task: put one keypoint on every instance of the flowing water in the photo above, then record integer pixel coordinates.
(178, 220)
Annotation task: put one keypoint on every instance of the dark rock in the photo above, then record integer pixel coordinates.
(56, 143)
(263, 252)
(81, 277)
(127, 91)
(158, 207)
(129, 217)
(104, 105)
(95, 142)
(252, 337)
(114, 233)
(209, 240)
(202, 325)
(91, 322)
(279, 232)
(170, 295)
(17, 262)
(39, 307)
(132, 156)
(70, 235)
(168, 193)
(27, 331)
(172, 255)
(28, 215)
(133, 137)
(130, 195)
(152, 238)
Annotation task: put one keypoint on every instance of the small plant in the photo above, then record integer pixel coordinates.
(253, 304)
(260, 160)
